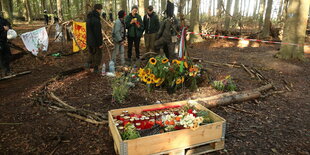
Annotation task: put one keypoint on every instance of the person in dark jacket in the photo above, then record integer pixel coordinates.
(5, 52)
(111, 15)
(135, 29)
(45, 17)
(119, 36)
(94, 38)
(56, 18)
(151, 27)
(167, 34)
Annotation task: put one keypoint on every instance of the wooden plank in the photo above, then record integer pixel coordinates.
(115, 134)
(176, 139)
(215, 146)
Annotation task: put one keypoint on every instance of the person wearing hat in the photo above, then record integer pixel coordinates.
(94, 38)
(119, 36)
(45, 17)
(5, 52)
(135, 29)
(151, 27)
(167, 34)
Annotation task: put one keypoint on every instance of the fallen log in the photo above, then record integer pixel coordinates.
(232, 97)
(15, 75)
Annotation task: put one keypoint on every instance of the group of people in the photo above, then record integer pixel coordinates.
(157, 35)
(47, 17)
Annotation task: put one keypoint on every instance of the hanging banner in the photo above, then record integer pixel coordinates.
(79, 32)
(36, 41)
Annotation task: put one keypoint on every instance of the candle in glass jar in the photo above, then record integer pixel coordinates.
(126, 120)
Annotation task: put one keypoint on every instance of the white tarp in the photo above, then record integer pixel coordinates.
(36, 40)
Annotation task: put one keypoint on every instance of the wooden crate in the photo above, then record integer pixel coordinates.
(212, 135)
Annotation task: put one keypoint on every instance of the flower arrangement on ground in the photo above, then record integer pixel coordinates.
(170, 74)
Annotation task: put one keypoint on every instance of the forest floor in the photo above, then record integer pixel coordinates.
(276, 124)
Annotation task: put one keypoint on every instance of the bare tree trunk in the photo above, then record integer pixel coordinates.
(163, 5)
(69, 9)
(59, 10)
(146, 4)
(295, 30)
(51, 6)
(6, 10)
(227, 17)
(261, 13)
(236, 9)
(194, 21)
(219, 8)
(141, 7)
(43, 3)
(28, 11)
(267, 23)
(280, 9)
(19, 8)
(181, 11)
(124, 5)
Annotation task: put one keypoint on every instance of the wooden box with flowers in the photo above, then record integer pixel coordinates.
(165, 128)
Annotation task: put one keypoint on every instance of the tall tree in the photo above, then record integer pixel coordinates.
(227, 16)
(51, 6)
(267, 23)
(19, 8)
(295, 30)
(141, 7)
(280, 9)
(146, 4)
(219, 8)
(181, 7)
(124, 5)
(6, 10)
(261, 13)
(59, 10)
(28, 11)
(163, 4)
(194, 21)
(236, 8)
(43, 3)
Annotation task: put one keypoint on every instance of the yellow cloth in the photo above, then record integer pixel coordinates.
(79, 31)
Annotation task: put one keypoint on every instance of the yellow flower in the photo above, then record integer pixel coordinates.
(156, 80)
(152, 76)
(185, 64)
(148, 80)
(182, 79)
(141, 70)
(160, 82)
(174, 61)
(178, 81)
(165, 60)
(153, 61)
(148, 71)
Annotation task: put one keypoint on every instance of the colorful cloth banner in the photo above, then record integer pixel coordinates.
(79, 32)
(36, 41)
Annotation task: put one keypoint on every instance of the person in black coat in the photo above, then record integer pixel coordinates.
(45, 17)
(94, 37)
(5, 52)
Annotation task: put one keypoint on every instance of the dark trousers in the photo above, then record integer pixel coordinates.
(136, 41)
(95, 56)
(167, 46)
(5, 58)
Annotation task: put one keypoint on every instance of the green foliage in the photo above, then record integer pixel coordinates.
(225, 85)
(130, 132)
(205, 115)
(120, 89)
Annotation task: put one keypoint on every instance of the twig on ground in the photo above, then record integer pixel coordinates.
(242, 110)
(247, 70)
(86, 119)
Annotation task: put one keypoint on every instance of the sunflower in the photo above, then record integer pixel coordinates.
(165, 60)
(178, 81)
(182, 79)
(148, 80)
(152, 76)
(185, 64)
(156, 80)
(144, 78)
(148, 71)
(160, 82)
(175, 61)
(153, 61)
